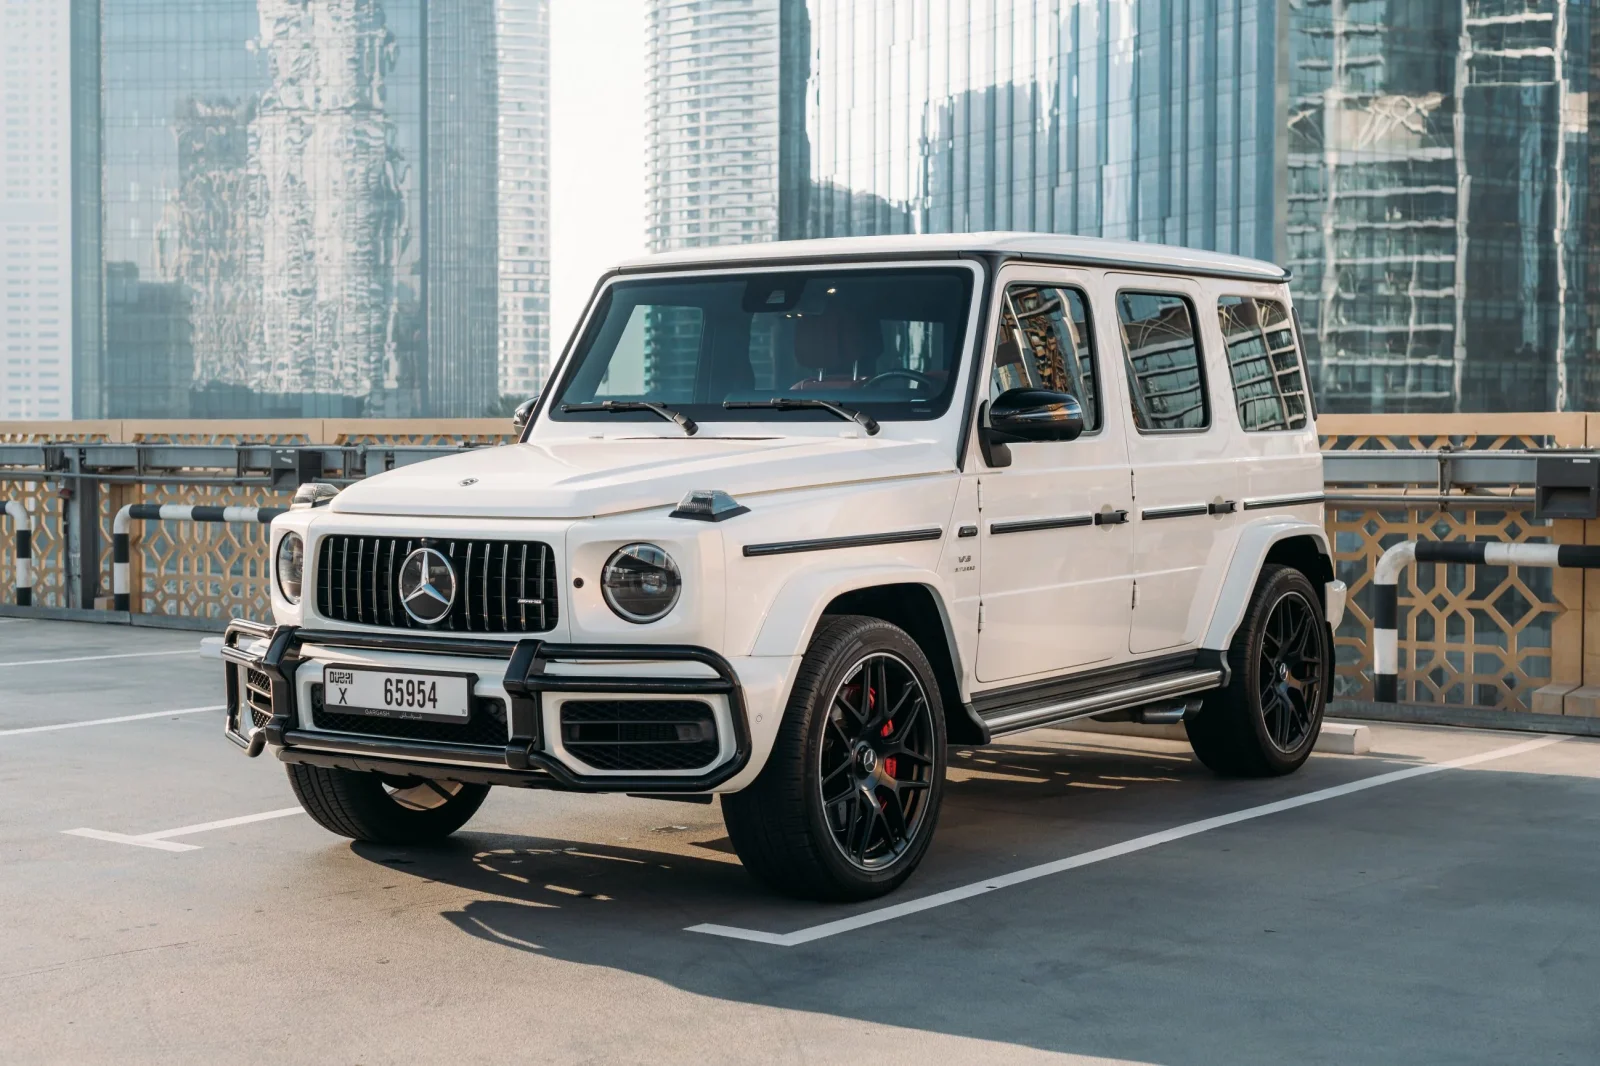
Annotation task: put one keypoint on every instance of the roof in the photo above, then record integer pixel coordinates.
(1043, 247)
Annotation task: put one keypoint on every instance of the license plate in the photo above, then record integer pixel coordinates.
(396, 694)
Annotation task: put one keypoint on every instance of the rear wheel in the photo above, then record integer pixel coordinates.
(384, 809)
(1266, 721)
(848, 800)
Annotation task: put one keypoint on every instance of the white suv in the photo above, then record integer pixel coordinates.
(791, 519)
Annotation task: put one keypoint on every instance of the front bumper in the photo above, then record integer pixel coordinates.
(266, 659)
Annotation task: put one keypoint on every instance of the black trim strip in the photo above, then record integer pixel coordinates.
(1028, 525)
(1263, 502)
(1188, 510)
(863, 540)
(991, 703)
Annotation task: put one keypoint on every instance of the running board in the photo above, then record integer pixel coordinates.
(1117, 699)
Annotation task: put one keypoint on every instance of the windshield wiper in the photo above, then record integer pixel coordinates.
(801, 403)
(689, 426)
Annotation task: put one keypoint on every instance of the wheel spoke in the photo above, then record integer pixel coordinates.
(893, 816)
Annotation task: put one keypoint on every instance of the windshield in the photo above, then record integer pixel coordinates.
(884, 342)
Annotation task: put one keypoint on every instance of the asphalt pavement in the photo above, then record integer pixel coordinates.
(1089, 898)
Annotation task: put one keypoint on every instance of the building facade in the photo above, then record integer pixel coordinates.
(711, 127)
(35, 212)
(522, 29)
(1423, 166)
(292, 202)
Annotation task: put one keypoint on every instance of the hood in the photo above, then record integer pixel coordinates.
(587, 478)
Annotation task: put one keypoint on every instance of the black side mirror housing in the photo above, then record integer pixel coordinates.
(524, 413)
(1019, 416)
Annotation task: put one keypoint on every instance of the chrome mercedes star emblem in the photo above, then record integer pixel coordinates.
(427, 585)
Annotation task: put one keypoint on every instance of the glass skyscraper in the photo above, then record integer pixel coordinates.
(1423, 166)
(522, 30)
(284, 207)
(711, 129)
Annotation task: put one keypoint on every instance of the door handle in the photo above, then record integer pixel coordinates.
(1110, 518)
(1222, 507)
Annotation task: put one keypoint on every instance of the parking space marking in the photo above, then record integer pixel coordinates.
(92, 658)
(1127, 847)
(106, 721)
(162, 839)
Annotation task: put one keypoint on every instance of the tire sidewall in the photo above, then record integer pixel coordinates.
(1284, 583)
(871, 639)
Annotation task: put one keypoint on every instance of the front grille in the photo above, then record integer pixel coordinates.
(502, 586)
(258, 695)
(484, 727)
(640, 734)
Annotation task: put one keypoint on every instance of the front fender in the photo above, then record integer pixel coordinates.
(1254, 545)
(789, 622)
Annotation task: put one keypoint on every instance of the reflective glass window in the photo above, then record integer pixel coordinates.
(1166, 382)
(1264, 362)
(1046, 342)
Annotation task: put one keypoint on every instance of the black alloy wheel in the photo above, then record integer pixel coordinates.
(876, 760)
(1265, 721)
(848, 800)
(1291, 670)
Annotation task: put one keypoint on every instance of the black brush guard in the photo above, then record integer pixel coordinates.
(523, 763)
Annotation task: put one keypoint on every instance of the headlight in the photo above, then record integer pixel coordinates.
(290, 565)
(640, 582)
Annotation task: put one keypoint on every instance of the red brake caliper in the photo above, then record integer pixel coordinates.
(888, 762)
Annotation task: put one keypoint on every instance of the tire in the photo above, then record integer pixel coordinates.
(1266, 721)
(826, 820)
(382, 809)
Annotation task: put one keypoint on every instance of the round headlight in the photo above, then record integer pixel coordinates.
(640, 582)
(290, 566)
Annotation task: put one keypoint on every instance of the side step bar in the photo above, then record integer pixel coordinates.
(1118, 699)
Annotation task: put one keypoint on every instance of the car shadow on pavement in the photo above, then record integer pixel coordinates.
(628, 906)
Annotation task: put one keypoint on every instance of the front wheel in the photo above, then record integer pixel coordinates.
(848, 800)
(383, 809)
(1266, 721)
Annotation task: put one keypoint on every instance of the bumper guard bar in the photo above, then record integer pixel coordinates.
(524, 761)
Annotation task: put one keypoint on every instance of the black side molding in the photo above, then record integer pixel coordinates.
(821, 544)
(1028, 525)
(1188, 510)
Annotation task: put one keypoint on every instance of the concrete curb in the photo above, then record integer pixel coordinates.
(123, 618)
(1468, 717)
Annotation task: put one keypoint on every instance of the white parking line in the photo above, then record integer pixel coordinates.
(1127, 847)
(162, 840)
(107, 721)
(92, 658)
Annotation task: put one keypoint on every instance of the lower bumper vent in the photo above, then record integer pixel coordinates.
(640, 734)
(258, 695)
(485, 727)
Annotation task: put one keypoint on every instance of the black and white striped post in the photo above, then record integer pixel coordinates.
(1386, 596)
(168, 512)
(24, 523)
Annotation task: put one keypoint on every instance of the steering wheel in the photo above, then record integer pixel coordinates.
(899, 372)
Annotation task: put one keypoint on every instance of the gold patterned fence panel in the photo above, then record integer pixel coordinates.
(1475, 636)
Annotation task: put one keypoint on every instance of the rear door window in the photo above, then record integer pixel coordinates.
(1166, 382)
(1269, 381)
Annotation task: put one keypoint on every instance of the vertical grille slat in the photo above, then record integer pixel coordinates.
(358, 579)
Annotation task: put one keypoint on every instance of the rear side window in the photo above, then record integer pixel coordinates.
(1269, 382)
(1165, 380)
(1046, 342)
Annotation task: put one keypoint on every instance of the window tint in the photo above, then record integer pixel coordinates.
(1164, 376)
(1264, 362)
(885, 341)
(1045, 343)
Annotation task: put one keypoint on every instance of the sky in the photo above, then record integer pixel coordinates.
(596, 149)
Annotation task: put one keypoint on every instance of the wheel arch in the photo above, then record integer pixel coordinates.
(913, 600)
(1290, 542)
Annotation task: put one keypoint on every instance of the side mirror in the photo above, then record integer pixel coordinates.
(1020, 416)
(524, 412)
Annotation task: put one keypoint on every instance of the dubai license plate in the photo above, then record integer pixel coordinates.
(396, 694)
